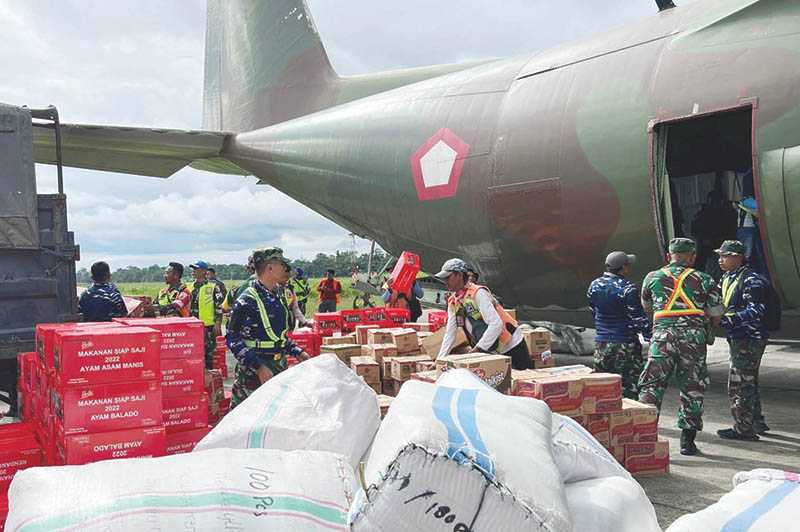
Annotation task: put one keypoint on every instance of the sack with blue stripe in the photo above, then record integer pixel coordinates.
(762, 500)
(318, 405)
(458, 459)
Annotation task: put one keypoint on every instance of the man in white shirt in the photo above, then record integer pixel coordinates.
(488, 327)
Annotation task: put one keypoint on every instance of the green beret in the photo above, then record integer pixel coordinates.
(682, 245)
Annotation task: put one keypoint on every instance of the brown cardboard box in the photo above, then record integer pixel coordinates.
(361, 333)
(598, 426)
(575, 369)
(384, 402)
(543, 360)
(424, 376)
(379, 351)
(380, 336)
(422, 336)
(562, 393)
(406, 341)
(391, 387)
(602, 393)
(644, 420)
(386, 368)
(426, 365)
(376, 387)
(344, 351)
(403, 367)
(494, 370)
(433, 343)
(618, 452)
(647, 458)
(419, 327)
(366, 368)
(620, 427)
(443, 364)
(348, 339)
(537, 340)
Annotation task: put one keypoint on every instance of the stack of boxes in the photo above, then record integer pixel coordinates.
(538, 342)
(627, 428)
(220, 361)
(19, 449)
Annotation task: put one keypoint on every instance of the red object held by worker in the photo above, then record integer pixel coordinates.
(404, 273)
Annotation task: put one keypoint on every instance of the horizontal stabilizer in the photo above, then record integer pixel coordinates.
(134, 150)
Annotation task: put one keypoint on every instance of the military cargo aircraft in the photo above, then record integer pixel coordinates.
(532, 168)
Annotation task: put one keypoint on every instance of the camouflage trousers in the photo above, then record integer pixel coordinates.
(246, 380)
(624, 359)
(679, 355)
(210, 344)
(743, 390)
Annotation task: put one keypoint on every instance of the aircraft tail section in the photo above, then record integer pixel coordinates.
(264, 64)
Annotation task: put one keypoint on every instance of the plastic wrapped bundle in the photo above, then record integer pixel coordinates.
(611, 503)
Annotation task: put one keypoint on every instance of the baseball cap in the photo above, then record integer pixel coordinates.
(617, 259)
(199, 265)
(682, 245)
(731, 247)
(451, 266)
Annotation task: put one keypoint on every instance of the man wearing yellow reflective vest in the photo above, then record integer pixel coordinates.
(488, 327)
(301, 289)
(257, 332)
(174, 299)
(207, 301)
(682, 300)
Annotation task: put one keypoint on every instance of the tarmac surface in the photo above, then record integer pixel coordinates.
(695, 482)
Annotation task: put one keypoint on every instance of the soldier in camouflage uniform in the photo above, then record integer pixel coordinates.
(682, 300)
(257, 333)
(618, 318)
(744, 295)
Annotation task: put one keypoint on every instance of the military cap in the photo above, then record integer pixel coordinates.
(682, 245)
(617, 259)
(267, 254)
(731, 247)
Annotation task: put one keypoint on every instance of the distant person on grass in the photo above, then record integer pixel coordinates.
(329, 289)
(101, 301)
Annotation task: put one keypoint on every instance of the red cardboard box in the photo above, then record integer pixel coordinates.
(598, 426)
(45, 337)
(563, 393)
(602, 393)
(180, 337)
(327, 323)
(187, 412)
(185, 441)
(405, 272)
(26, 366)
(181, 376)
(16, 454)
(375, 316)
(437, 319)
(107, 407)
(620, 426)
(644, 420)
(647, 458)
(398, 316)
(78, 449)
(309, 341)
(105, 355)
(351, 318)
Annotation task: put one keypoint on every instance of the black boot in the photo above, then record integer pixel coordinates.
(688, 448)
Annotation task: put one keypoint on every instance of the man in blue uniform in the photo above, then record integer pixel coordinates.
(101, 301)
(257, 332)
(618, 318)
(744, 296)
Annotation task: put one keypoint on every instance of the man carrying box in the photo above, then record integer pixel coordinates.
(487, 325)
(618, 318)
(257, 333)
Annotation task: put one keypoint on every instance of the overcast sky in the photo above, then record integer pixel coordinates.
(140, 63)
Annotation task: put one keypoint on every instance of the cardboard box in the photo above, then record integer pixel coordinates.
(390, 387)
(426, 365)
(45, 337)
(419, 327)
(345, 339)
(397, 316)
(644, 420)
(366, 368)
(433, 343)
(406, 341)
(562, 393)
(180, 337)
(307, 340)
(647, 458)
(375, 316)
(494, 370)
(424, 376)
(181, 376)
(379, 351)
(327, 323)
(403, 367)
(384, 401)
(620, 427)
(380, 336)
(185, 441)
(361, 333)
(442, 364)
(538, 340)
(598, 426)
(386, 367)
(575, 369)
(351, 318)
(17, 454)
(26, 368)
(107, 407)
(344, 351)
(602, 393)
(106, 355)
(618, 452)
(186, 412)
(78, 449)
(376, 387)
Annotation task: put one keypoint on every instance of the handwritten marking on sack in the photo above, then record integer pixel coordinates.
(259, 481)
(437, 510)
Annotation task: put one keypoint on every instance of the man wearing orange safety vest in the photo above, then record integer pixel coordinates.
(683, 300)
(488, 327)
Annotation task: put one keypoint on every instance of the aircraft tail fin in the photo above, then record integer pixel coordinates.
(264, 64)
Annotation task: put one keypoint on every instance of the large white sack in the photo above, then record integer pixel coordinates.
(220, 489)
(610, 504)
(320, 405)
(450, 459)
(578, 455)
(762, 500)
(463, 378)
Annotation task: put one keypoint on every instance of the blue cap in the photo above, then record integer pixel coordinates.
(199, 265)
(300, 272)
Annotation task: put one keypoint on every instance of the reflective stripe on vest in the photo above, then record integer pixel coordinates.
(274, 341)
(205, 303)
(473, 312)
(301, 289)
(728, 290)
(167, 297)
(669, 310)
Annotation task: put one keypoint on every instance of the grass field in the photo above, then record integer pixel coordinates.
(151, 290)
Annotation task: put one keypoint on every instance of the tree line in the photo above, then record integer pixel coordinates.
(342, 262)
